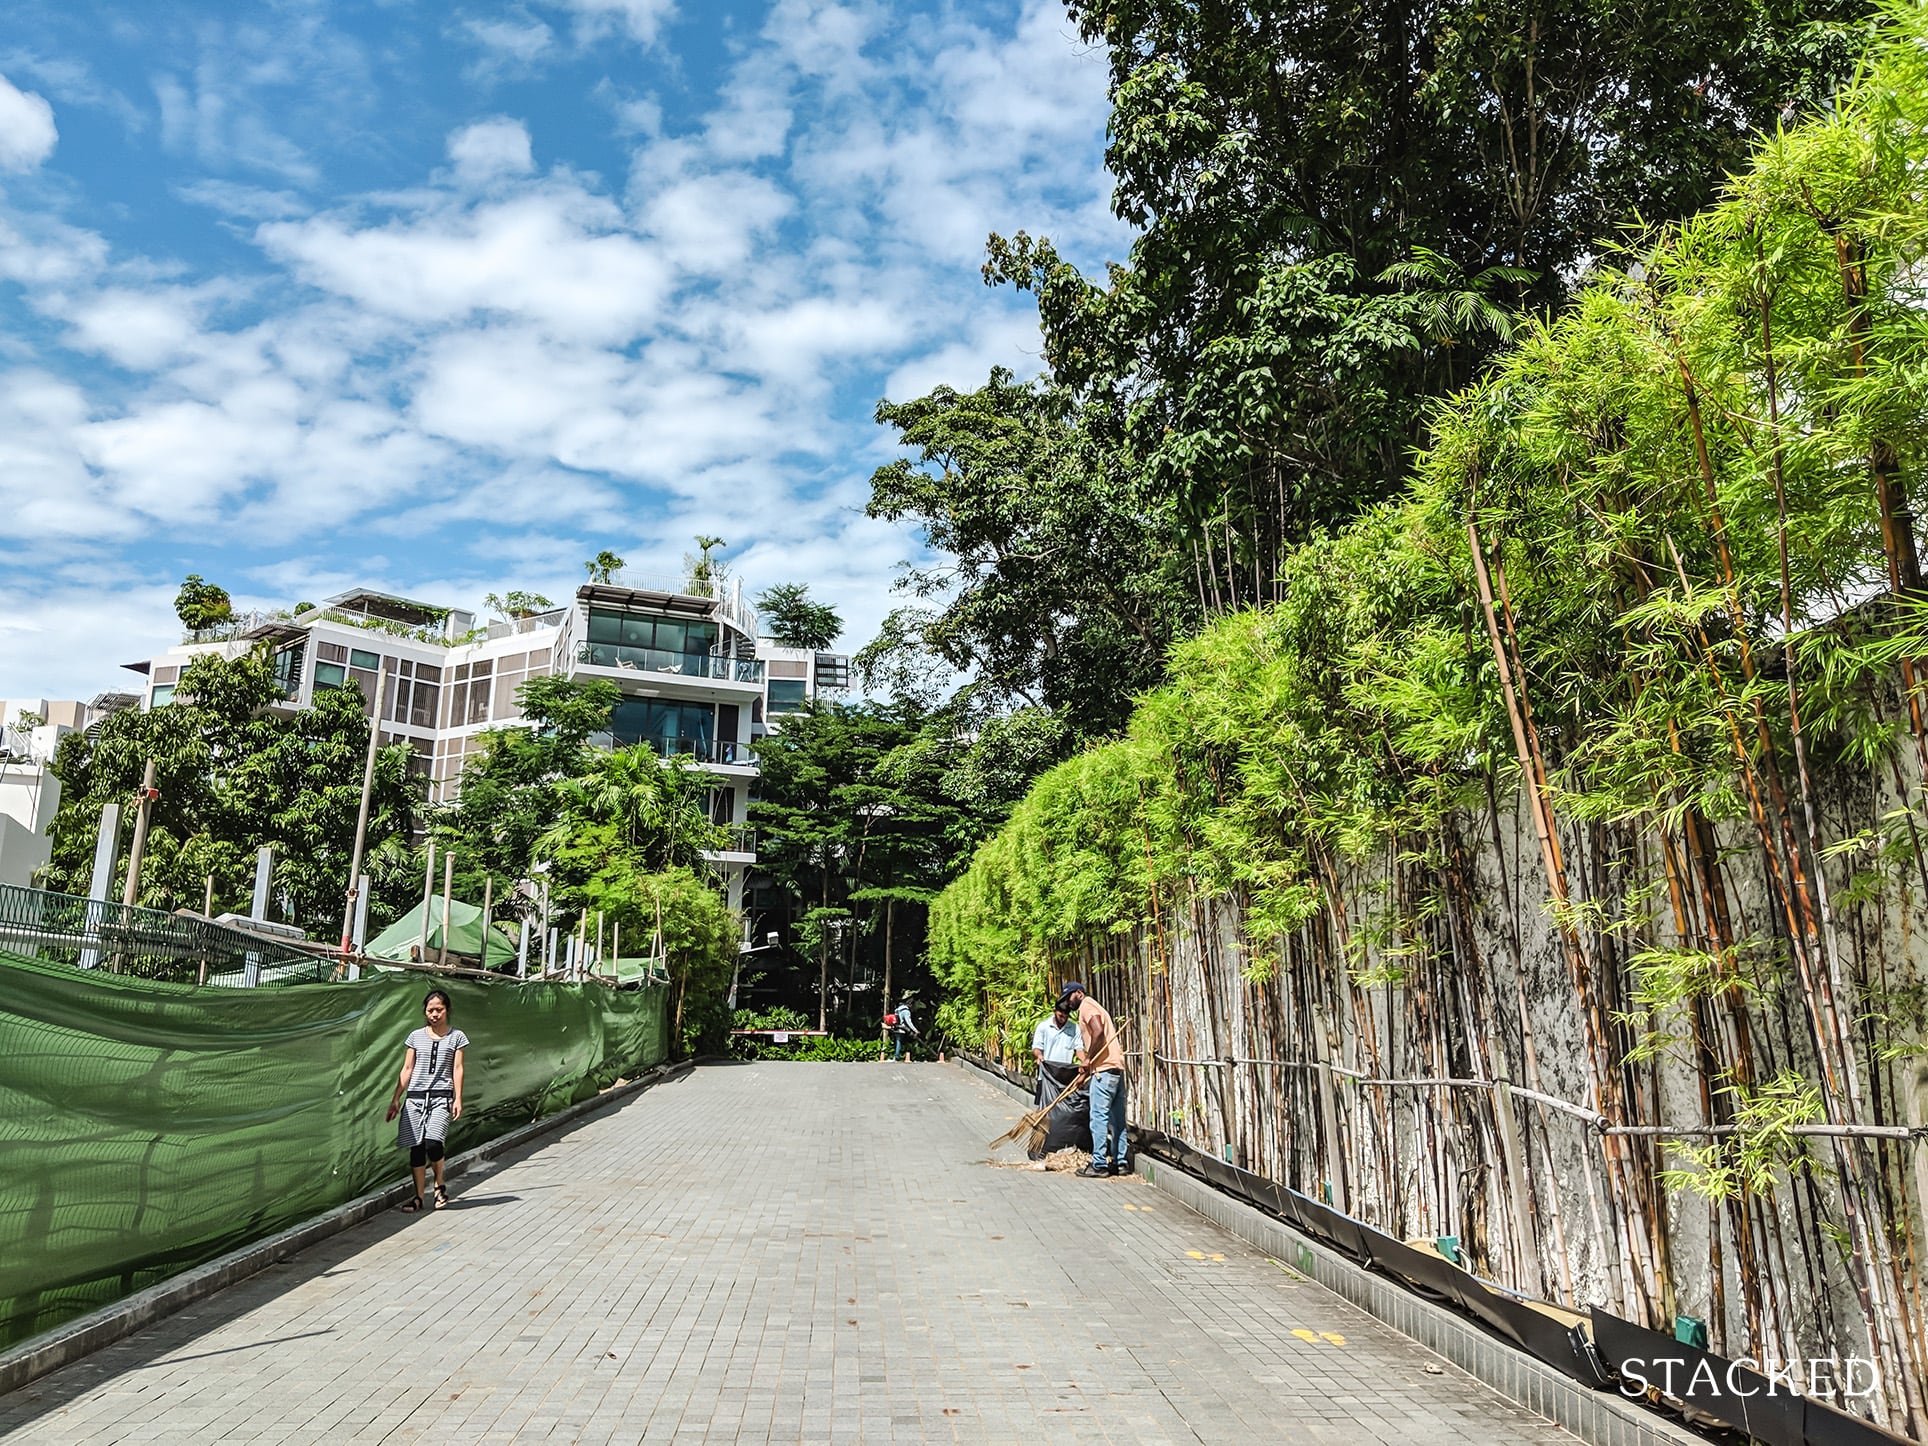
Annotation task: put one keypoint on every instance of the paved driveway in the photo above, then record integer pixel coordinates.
(780, 1252)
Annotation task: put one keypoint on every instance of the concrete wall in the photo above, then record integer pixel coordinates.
(29, 798)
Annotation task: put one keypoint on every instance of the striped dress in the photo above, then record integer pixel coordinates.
(431, 1087)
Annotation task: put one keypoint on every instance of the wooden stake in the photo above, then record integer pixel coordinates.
(361, 814)
(448, 886)
(142, 809)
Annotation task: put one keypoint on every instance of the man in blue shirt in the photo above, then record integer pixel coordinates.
(1054, 1047)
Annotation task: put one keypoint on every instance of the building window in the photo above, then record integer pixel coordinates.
(359, 659)
(330, 675)
(788, 695)
(478, 700)
(668, 728)
(643, 640)
(162, 694)
(287, 668)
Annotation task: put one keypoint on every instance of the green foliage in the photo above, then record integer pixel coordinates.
(830, 1049)
(1359, 716)
(1762, 1147)
(513, 791)
(821, 1049)
(863, 812)
(201, 605)
(795, 621)
(617, 833)
(632, 808)
(681, 913)
(706, 574)
(514, 604)
(232, 776)
(603, 567)
(1342, 214)
(1050, 589)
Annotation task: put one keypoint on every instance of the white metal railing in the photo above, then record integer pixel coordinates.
(680, 583)
(736, 612)
(233, 628)
(534, 623)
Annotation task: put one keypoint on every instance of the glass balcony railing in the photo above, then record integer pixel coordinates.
(703, 750)
(659, 660)
(735, 838)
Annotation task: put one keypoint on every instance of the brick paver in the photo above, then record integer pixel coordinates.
(779, 1252)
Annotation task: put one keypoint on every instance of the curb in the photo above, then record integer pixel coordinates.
(1602, 1418)
(82, 1336)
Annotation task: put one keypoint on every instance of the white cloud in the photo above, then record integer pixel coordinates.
(37, 251)
(203, 118)
(141, 329)
(640, 20)
(557, 256)
(511, 40)
(709, 224)
(491, 149)
(46, 489)
(69, 640)
(243, 202)
(1008, 339)
(27, 132)
(489, 353)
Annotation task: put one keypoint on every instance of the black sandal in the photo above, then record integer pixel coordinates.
(412, 1207)
(441, 1196)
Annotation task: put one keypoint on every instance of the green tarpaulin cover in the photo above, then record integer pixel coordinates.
(146, 1127)
(465, 935)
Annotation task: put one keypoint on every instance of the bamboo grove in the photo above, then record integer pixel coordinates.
(1543, 867)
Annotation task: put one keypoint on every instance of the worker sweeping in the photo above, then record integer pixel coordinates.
(1103, 1063)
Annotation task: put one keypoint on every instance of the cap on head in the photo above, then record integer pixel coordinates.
(1064, 994)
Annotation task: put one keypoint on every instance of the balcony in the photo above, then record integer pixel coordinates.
(736, 846)
(727, 752)
(705, 666)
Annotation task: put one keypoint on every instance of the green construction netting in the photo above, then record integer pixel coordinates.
(146, 1127)
(465, 934)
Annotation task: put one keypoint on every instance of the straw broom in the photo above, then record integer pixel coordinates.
(1035, 1124)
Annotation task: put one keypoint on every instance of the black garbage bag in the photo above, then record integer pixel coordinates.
(1069, 1127)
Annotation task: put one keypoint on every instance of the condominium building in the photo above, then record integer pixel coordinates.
(684, 653)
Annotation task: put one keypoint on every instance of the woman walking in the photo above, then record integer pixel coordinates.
(429, 1095)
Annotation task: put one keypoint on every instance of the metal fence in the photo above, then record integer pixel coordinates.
(146, 943)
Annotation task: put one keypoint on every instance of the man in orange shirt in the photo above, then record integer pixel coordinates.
(1104, 1063)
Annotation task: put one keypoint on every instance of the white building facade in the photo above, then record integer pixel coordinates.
(684, 655)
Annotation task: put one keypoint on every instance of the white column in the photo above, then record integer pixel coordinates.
(263, 870)
(102, 881)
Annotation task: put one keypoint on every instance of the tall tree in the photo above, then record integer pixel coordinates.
(796, 620)
(1053, 587)
(1341, 209)
(512, 792)
(234, 775)
(864, 811)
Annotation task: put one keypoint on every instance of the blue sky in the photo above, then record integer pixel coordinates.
(445, 298)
